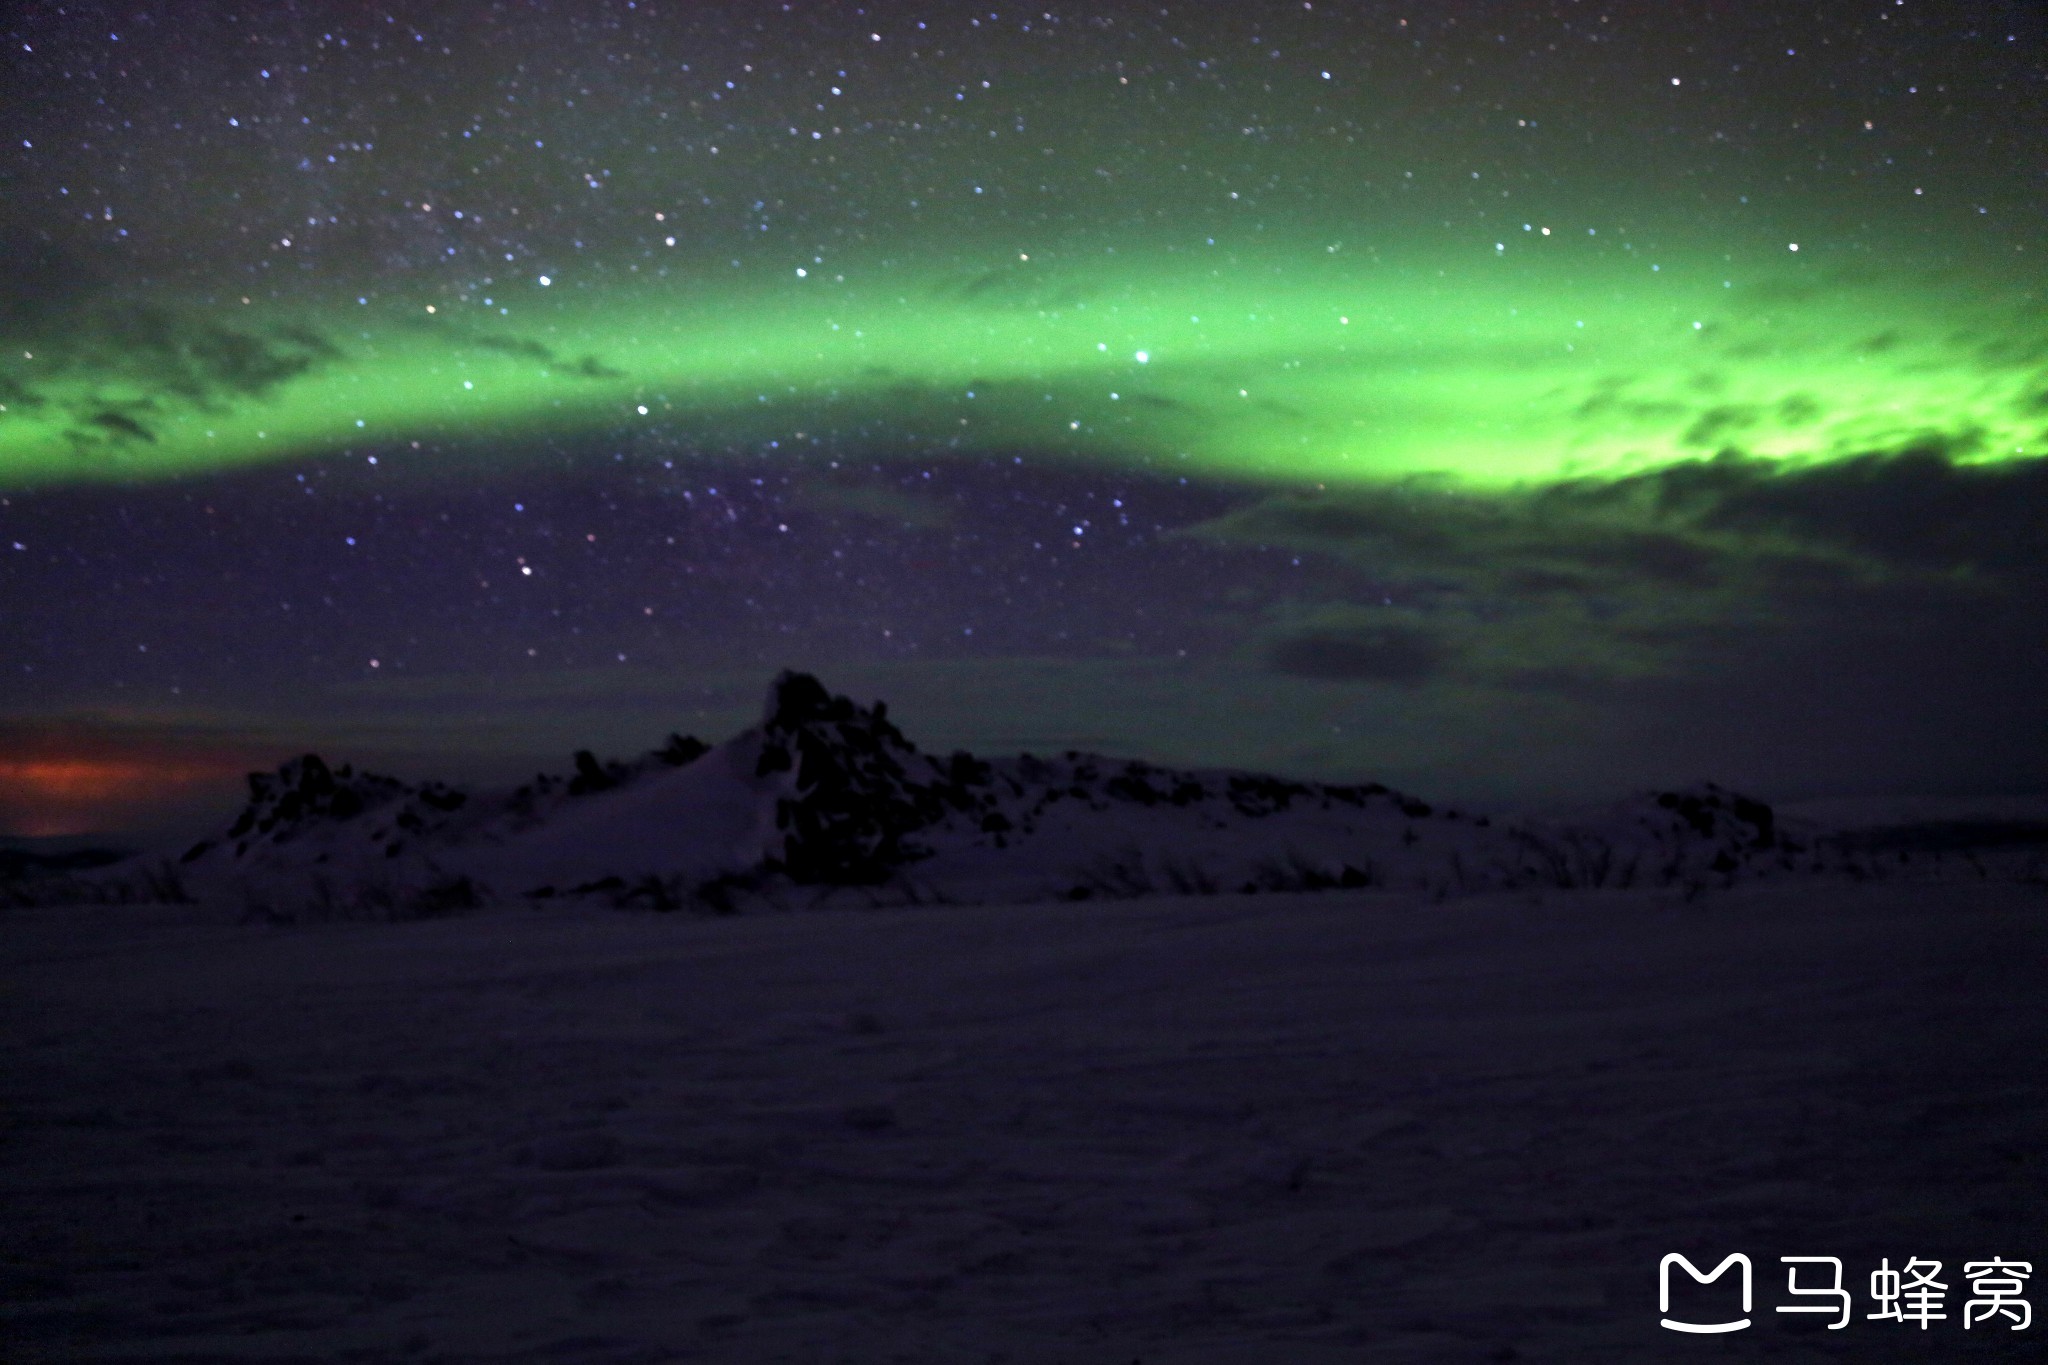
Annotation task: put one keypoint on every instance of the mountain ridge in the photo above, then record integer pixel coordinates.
(827, 801)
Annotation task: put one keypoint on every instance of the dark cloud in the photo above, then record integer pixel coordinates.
(1395, 654)
(1697, 538)
(1900, 515)
(590, 367)
(525, 348)
(1017, 285)
(518, 347)
(1870, 624)
(142, 363)
(199, 359)
(121, 425)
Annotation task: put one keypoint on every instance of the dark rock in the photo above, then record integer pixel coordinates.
(861, 790)
(679, 751)
(592, 776)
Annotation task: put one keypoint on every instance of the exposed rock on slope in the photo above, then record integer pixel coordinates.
(858, 791)
(305, 793)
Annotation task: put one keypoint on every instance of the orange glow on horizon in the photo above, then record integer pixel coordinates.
(51, 794)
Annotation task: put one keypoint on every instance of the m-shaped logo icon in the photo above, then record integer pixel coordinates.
(1706, 1328)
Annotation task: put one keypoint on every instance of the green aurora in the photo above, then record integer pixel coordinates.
(1283, 362)
(1190, 382)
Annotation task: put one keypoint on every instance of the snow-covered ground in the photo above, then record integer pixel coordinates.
(1355, 1126)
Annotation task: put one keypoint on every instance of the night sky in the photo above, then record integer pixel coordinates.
(1513, 401)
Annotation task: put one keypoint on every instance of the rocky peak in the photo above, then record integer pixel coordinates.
(1714, 812)
(305, 792)
(857, 789)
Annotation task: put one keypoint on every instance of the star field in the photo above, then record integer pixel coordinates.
(1456, 394)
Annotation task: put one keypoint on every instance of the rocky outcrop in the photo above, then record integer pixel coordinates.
(304, 793)
(858, 791)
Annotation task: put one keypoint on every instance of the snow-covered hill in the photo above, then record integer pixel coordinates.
(826, 801)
